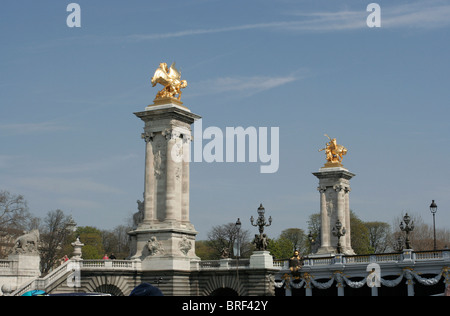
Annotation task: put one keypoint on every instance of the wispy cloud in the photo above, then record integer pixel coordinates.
(25, 128)
(71, 186)
(211, 30)
(419, 14)
(87, 167)
(423, 14)
(245, 85)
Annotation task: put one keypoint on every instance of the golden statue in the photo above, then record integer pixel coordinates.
(295, 264)
(170, 78)
(334, 153)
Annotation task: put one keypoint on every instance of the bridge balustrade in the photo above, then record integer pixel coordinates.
(409, 263)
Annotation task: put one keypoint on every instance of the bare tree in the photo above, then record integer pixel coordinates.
(55, 234)
(14, 220)
(379, 236)
(13, 211)
(422, 237)
(222, 238)
(117, 241)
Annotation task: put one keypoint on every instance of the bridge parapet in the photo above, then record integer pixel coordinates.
(408, 256)
(132, 265)
(333, 267)
(223, 264)
(356, 270)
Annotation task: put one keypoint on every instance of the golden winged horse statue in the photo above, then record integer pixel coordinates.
(170, 78)
(334, 152)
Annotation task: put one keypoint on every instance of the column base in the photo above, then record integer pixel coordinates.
(164, 248)
(261, 260)
(326, 251)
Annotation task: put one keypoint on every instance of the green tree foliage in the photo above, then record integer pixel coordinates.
(360, 235)
(91, 237)
(204, 250)
(297, 237)
(281, 248)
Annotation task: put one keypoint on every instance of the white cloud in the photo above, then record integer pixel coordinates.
(246, 85)
(25, 128)
(419, 14)
(428, 14)
(95, 165)
(208, 31)
(70, 186)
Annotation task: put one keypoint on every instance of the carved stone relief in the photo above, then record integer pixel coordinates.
(185, 245)
(154, 246)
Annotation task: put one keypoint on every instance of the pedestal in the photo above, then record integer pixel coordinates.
(164, 237)
(27, 265)
(261, 260)
(334, 188)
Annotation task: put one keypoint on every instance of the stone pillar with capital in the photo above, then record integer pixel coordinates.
(164, 236)
(334, 188)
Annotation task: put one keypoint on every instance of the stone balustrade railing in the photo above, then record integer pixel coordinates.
(229, 264)
(110, 264)
(417, 256)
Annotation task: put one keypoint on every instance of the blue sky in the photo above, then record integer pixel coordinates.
(69, 139)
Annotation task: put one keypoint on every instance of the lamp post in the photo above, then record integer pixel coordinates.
(339, 231)
(433, 210)
(237, 243)
(407, 228)
(261, 242)
(237, 249)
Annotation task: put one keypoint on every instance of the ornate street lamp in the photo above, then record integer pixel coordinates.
(237, 243)
(433, 210)
(261, 241)
(339, 231)
(407, 228)
(237, 248)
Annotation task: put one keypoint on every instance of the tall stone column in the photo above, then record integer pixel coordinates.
(149, 215)
(164, 238)
(325, 222)
(334, 187)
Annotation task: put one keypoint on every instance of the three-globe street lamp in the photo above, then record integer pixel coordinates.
(339, 231)
(433, 210)
(407, 228)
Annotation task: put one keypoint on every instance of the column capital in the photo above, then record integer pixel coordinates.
(172, 134)
(147, 136)
(322, 189)
(340, 187)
